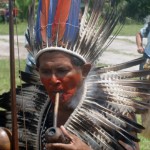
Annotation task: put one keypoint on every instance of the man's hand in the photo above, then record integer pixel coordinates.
(139, 43)
(140, 50)
(75, 144)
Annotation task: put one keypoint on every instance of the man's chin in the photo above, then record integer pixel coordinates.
(65, 99)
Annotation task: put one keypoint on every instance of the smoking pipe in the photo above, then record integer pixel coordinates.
(54, 134)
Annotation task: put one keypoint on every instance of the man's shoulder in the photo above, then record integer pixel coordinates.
(145, 30)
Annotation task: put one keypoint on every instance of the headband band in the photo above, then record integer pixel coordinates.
(59, 49)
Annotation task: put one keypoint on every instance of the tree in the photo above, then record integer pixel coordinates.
(138, 9)
(23, 5)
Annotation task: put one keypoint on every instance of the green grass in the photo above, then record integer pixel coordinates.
(5, 73)
(19, 28)
(130, 29)
(144, 142)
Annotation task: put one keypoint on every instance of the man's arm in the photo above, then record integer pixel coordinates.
(139, 43)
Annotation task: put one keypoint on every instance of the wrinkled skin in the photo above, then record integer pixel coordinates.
(59, 74)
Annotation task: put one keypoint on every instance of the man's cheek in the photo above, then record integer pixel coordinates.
(45, 81)
(72, 82)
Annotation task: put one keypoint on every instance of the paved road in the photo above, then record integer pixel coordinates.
(4, 48)
(122, 49)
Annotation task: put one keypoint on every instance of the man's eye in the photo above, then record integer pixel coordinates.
(46, 72)
(63, 70)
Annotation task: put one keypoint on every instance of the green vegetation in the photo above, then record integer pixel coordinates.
(19, 28)
(23, 8)
(130, 29)
(144, 142)
(137, 9)
(5, 73)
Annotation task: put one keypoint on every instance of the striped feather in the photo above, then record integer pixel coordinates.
(52, 11)
(61, 17)
(72, 24)
(57, 22)
(44, 18)
(109, 102)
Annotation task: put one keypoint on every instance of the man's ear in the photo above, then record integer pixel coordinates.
(85, 69)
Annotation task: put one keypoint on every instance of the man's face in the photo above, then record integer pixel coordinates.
(58, 74)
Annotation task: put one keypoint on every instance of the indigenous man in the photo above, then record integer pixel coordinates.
(64, 73)
(60, 72)
(61, 66)
(93, 105)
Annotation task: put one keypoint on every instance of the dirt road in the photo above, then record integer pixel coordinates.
(122, 49)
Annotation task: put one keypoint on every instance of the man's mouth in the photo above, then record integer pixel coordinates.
(61, 92)
(64, 96)
(58, 91)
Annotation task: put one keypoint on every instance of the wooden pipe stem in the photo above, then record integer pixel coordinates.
(56, 110)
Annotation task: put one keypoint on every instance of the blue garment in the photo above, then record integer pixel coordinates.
(30, 63)
(145, 32)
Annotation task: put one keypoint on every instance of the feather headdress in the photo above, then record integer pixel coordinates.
(101, 119)
(59, 26)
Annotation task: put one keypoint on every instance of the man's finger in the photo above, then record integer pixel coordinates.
(57, 146)
(66, 133)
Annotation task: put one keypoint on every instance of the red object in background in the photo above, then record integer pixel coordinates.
(15, 12)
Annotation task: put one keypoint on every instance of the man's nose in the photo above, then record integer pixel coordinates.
(55, 79)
